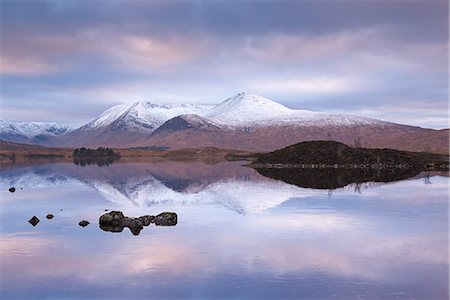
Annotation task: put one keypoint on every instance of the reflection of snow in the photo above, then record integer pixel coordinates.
(30, 179)
(241, 194)
(251, 197)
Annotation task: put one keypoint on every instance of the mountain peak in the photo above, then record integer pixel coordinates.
(247, 107)
(252, 98)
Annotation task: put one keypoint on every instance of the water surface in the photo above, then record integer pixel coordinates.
(239, 235)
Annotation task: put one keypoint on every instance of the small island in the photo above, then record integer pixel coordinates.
(331, 154)
(331, 165)
(101, 156)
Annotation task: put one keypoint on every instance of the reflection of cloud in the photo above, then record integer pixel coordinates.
(321, 223)
(360, 251)
(13, 244)
(352, 239)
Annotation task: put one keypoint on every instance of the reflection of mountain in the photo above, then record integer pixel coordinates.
(336, 178)
(237, 188)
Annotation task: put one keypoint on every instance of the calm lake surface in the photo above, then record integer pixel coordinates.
(239, 235)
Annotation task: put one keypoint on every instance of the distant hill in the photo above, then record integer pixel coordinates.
(31, 132)
(328, 154)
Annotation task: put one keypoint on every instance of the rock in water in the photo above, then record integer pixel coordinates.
(83, 223)
(50, 216)
(166, 219)
(115, 221)
(147, 220)
(34, 221)
(12, 189)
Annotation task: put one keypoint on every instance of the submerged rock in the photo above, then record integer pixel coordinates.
(115, 221)
(49, 216)
(33, 221)
(83, 223)
(12, 189)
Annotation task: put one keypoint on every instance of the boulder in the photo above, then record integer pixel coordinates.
(83, 223)
(115, 221)
(12, 189)
(147, 219)
(166, 219)
(49, 216)
(34, 221)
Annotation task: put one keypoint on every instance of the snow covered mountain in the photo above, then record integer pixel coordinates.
(245, 121)
(31, 132)
(141, 116)
(127, 124)
(248, 109)
(241, 110)
(254, 123)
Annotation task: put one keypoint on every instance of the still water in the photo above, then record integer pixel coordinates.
(239, 235)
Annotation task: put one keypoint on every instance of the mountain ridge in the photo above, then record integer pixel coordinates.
(244, 121)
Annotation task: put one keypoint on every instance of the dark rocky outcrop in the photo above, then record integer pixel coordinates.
(34, 221)
(115, 221)
(12, 189)
(49, 216)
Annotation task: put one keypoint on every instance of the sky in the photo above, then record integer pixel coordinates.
(67, 61)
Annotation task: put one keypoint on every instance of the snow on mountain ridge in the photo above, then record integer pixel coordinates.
(142, 115)
(32, 129)
(244, 109)
(252, 110)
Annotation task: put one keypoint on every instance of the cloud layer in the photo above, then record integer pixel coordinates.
(67, 61)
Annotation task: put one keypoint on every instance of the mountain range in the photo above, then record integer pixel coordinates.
(245, 121)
